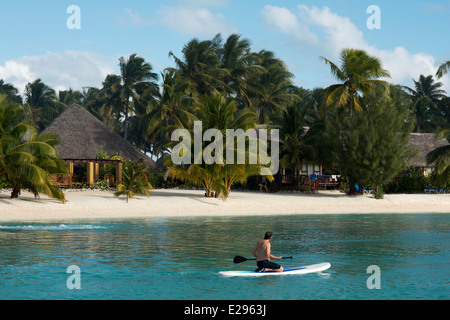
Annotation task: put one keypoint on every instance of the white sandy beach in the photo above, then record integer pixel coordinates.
(102, 204)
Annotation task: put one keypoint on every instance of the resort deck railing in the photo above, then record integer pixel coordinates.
(316, 182)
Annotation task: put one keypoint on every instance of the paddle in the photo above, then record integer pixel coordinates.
(239, 259)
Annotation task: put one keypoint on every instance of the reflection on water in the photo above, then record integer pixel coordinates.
(175, 258)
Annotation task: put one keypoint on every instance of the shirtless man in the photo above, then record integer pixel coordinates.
(262, 253)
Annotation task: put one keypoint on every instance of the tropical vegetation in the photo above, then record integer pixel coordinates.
(443, 69)
(135, 180)
(227, 85)
(371, 147)
(217, 178)
(27, 160)
(359, 74)
(441, 158)
(426, 97)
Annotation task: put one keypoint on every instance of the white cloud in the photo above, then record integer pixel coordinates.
(128, 17)
(287, 22)
(431, 8)
(337, 33)
(16, 73)
(75, 69)
(195, 21)
(404, 65)
(137, 19)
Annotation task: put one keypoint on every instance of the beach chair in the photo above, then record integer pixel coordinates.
(365, 191)
(439, 190)
(429, 190)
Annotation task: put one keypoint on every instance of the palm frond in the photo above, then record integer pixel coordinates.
(335, 71)
(443, 69)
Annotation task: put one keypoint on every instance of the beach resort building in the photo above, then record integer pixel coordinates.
(83, 137)
(420, 144)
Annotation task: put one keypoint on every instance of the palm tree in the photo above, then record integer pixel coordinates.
(121, 93)
(426, 87)
(201, 175)
(441, 157)
(443, 69)
(317, 101)
(137, 77)
(135, 180)
(88, 95)
(42, 104)
(358, 74)
(70, 96)
(241, 65)
(171, 109)
(235, 173)
(444, 106)
(90, 99)
(426, 96)
(219, 113)
(273, 88)
(296, 147)
(200, 67)
(109, 102)
(27, 160)
(10, 91)
(312, 102)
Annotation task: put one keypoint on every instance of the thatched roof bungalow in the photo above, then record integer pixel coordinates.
(82, 137)
(424, 143)
(419, 143)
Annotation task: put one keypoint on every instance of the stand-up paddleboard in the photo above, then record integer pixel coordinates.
(299, 270)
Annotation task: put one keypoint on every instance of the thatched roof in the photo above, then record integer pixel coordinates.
(82, 136)
(424, 143)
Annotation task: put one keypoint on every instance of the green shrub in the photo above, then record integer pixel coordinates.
(410, 181)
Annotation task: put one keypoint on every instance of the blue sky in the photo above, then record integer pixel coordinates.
(36, 43)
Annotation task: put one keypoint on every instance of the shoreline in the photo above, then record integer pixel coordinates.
(92, 204)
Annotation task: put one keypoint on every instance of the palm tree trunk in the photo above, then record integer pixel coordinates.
(15, 192)
(126, 119)
(352, 189)
(351, 106)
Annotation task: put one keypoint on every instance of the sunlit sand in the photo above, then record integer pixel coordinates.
(177, 202)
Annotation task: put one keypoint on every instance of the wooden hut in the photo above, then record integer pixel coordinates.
(422, 144)
(82, 137)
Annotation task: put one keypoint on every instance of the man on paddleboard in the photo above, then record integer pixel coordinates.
(262, 253)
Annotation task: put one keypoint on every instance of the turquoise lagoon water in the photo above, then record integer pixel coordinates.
(179, 258)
